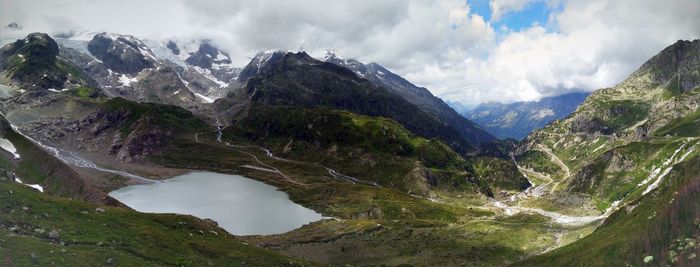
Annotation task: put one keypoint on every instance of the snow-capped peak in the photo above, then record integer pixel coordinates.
(330, 55)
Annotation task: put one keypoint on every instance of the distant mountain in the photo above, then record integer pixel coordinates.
(419, 96)
(459, 107)
(517, 120)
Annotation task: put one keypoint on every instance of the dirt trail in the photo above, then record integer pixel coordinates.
(556, 160)
(331, 172)
(255, 158)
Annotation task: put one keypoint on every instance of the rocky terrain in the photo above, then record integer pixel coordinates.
(152, 71)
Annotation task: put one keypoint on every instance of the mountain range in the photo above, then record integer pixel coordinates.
(399, 177)
(517, 120)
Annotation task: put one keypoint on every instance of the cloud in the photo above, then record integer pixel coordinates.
(442, 45)
(502, 7)
(596, 44)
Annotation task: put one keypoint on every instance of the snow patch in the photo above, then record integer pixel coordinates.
(263, 58)
(207, 74)
(543, 113)
(204, 98)
(126, 81)
(9, 147)
(220, 56)
(35, 186)
(599, 148)
(659, 173)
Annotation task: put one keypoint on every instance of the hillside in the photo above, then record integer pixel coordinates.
(633, 146)
(419, 96)
(378, 149)
(296, 79)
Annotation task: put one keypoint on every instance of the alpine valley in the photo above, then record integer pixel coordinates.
(379, 171)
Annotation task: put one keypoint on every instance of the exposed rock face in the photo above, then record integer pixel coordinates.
(619, 162)
(419, 180)
(207, 55)
(262, 62)
(173, 47)
(679, 61)
(373, 213)
(122, 54)
(93, 132)
(163, 85)
(120, 62)
(36, 49)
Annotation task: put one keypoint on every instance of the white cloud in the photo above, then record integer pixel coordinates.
(502, 7)
(598, 44)
(442, 45)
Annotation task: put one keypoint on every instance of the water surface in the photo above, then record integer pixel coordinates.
(239, 205)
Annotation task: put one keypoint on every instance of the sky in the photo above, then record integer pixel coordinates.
(469, 51)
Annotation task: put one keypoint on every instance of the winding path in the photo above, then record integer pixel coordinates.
(267, 167)
(331, 172)
(556, 160)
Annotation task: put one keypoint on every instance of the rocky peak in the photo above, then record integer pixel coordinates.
(207, 55)
(356, 66)
(259, 63)
(173, 47)
(36, 48)
(34, 63)
(679, 61)
(121, 53)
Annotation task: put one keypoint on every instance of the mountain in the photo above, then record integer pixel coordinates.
(517, 120)
(459, 107)
(418, 96)
(34, 63)
(631, 150)
(296, 79)
(186, 74)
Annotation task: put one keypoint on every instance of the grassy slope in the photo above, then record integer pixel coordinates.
(455, 230)
(155, 115)
(36, 166)
(665, 220)
(90, 238)
(378, 149)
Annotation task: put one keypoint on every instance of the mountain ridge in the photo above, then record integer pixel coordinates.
(419, 96)
(516, 120)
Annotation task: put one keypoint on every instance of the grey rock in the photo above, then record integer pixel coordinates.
(54, 235)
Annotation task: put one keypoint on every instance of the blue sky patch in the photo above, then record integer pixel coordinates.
(536, 12)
